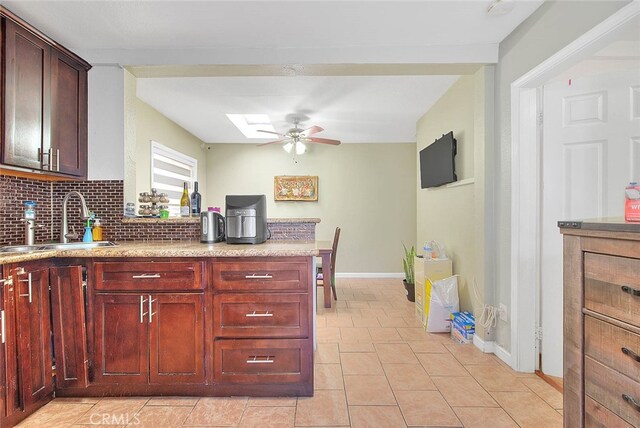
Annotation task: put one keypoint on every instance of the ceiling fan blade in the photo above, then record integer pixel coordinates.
(323, 141)
(271, 132)
(310, 131)
(272, 142)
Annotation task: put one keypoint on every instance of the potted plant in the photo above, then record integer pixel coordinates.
(409, 279)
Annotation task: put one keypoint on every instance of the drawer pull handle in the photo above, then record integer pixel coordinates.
(630, 353)
(142, 312)
(256, 276)
(629, 399)
(254, 314)
(257, 359)
(2, 325)
(629, 290)
(146, 276)
(29, 294)
(151, 313)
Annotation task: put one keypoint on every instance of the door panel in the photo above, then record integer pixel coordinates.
(34, 335)
(121, 339)
(69, 326)
(177, 338)
(10, 375)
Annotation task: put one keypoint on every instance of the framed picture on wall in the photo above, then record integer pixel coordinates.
(295, 188)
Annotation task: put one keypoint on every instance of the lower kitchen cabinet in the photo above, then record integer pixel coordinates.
(149, 338)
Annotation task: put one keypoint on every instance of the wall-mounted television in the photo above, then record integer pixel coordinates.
(437, 162)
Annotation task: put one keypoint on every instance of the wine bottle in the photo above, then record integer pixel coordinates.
(184, 201)
(195, 201)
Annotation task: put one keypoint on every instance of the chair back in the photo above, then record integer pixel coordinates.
(334, 250)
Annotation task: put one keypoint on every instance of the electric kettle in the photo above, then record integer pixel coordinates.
(211, 227)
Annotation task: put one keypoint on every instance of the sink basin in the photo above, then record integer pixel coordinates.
(58, 246)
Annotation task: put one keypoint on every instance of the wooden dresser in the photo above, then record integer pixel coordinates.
(601, 324)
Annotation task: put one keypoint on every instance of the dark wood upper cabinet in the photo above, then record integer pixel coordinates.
(44, 102)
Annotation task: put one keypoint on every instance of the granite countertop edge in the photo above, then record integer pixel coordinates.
(190, 220)
(175, 249)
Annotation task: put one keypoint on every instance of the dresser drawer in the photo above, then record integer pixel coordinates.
(152, 276)
(612, 286)
(266, 315)
(598, 416)
(256, 276)
(263, 361)
(608, 387)
(613, 346)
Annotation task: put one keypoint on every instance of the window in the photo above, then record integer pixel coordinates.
(169, 170)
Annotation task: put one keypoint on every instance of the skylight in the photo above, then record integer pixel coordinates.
(249, 124)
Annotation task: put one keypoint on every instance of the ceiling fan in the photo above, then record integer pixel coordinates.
(297, 137)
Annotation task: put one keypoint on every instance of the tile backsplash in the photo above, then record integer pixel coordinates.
(105, 198)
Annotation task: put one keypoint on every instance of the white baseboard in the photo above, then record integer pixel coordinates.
(369, 275)
(490, 347)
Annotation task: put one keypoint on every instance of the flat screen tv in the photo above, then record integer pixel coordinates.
(437, 162)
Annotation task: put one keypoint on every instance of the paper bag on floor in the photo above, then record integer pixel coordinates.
(441, 300)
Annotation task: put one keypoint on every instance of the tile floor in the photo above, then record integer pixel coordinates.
(374, 367)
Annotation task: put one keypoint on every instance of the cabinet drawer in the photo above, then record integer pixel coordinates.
(152, 276)
(608, 387)
(612, 286)
(598, 416)
(263, 361)
(241, 275)
(613, 346)
(261, 315)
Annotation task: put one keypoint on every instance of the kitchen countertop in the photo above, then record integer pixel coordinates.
(176, 249)
(182, 220)
(605, 224)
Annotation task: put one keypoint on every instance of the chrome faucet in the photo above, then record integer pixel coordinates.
(64, 227)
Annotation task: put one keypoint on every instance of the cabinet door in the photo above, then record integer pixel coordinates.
(26, 133)
(9, 351)
(69, 326)
(34, 335)
(68, 115)
(177, 338)
(121, 338)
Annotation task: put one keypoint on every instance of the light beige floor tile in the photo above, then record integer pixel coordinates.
(528, 410)
(268, 417)
(463, 391)
(376, 416)
(354, 335)
(441, 365)
(339, 321)
(408, 377)
(321, 320)
(353, 312)
(328, 376)
(395, 313)
(356, 347)
(325, 408)
(496, 378)
(395, 353)
(426, 409)
(384, 334)
(328, 334)
(548, 393)
(272, 401)
(484, 417)
(439, 337)
(428, 347)
(369, 313)
(392, 322)
(365, 322)
(84, 400)
(114, 409)
(327, 353)
(56, 415)
(412, 321)
(358, 305)
(172, 401)
(412, 334)
(367, 390)
(160, 416)
(217, 412)
(468, 354)
(361, 363)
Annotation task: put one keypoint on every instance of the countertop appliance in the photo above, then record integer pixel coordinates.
(212, 227)
(246, 218)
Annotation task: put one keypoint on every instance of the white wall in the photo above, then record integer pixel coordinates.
(550, 28)
(106, 123)
(368, 190)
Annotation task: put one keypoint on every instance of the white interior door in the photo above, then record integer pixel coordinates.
(590, 151)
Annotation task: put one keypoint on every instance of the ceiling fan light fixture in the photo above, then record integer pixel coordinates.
(300, 148)
(288, 147)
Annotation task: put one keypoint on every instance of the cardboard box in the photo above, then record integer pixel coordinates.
(463, 327)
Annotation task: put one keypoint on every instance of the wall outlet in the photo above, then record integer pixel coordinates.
(502, 312)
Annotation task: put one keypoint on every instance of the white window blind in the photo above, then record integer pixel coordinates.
(169, 170)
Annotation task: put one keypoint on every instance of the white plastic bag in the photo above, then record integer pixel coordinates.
(441, 299)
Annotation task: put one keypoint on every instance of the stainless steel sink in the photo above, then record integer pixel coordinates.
(56, 246)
